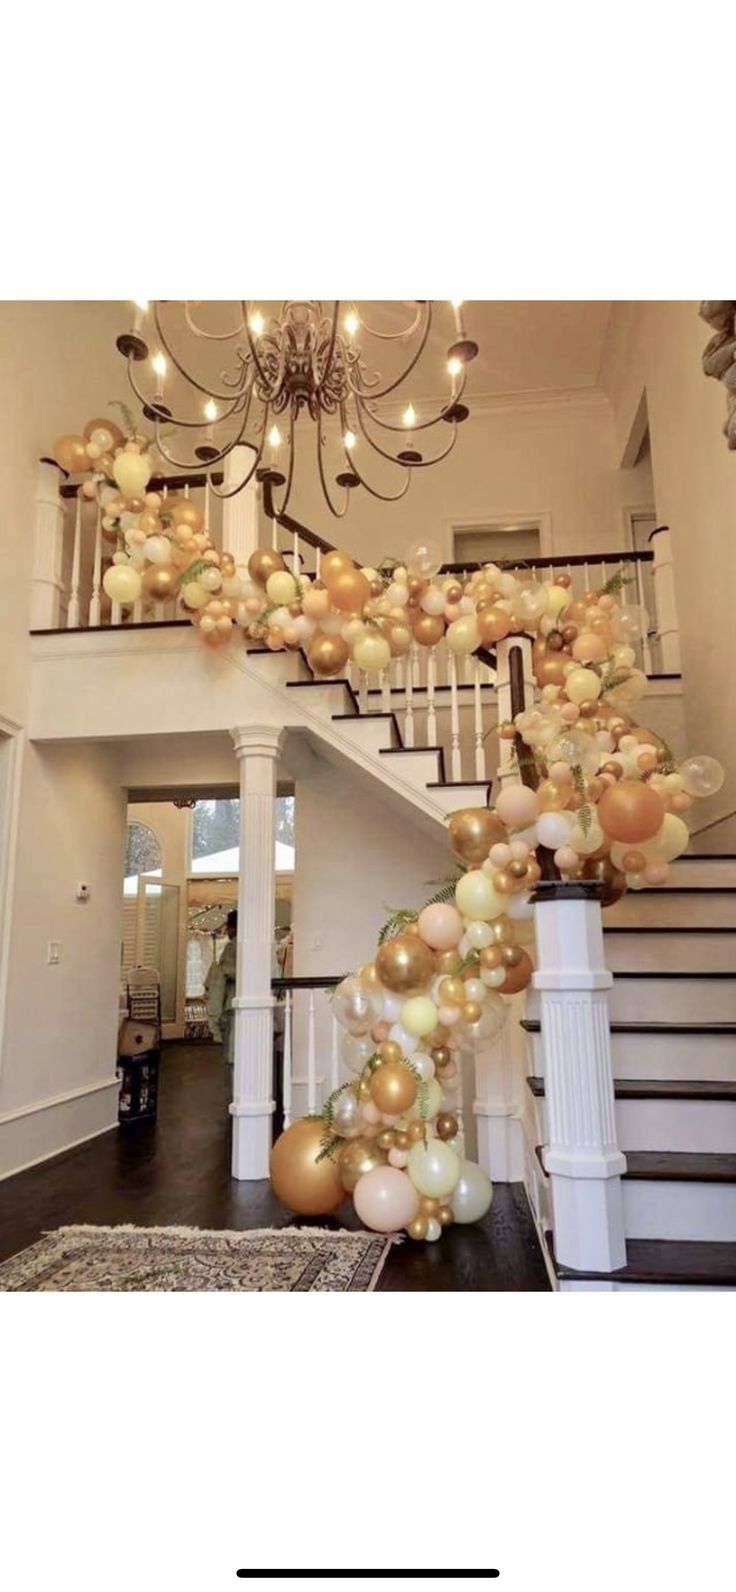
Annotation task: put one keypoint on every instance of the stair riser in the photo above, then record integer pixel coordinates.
(366, 736)
(324, 699)
(650, 951)
(419, 769)
(696, 1125)
(675, 1000)
(703, 870)
(278, 667)
(654, 1209)
(455, 796)
(666, 909)
(674, 1056)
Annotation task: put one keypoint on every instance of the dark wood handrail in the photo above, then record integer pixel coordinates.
(175, 483)
(322, 981)
(289, 523)
(630, 557)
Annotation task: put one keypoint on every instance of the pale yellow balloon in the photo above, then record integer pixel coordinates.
(372, 652)
(669, 842)
(476, 897)
(122, 584)
(582, 685)
(434, 1168)
(132, 471)
(281, 587)
(194, 595)
(463, 635)
(418, 1015)
(558, 598)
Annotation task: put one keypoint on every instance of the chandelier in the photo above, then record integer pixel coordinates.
(300, 362)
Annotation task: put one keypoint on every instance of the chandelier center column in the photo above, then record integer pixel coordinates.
(256, 748)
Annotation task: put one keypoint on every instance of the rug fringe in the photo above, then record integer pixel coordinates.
(227, 1232)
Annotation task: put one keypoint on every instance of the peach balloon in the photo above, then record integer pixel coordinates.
(440, 925)
(316, 604)
(589, 648)
(493, 624)
(517, 806)
(630, 811)
(385, 1199)
(348, 590)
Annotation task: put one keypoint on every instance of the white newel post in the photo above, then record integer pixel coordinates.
(240, 513)
(582, 1158)
(499, 1073)
(668, 630)
(508, 772)
(256, 748)
(46, 587)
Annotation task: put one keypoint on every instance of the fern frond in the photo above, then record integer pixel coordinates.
(622, 578)
(126, 413)
(395, 922)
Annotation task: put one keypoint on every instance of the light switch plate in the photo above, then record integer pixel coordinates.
(53, 953)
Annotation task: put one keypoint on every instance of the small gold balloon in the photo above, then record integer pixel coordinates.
(160, 581)
(503, 883)
(472, 1011)
(389, 1051)
(386, 1139)
(511, 955)
(502, 930)
(187, 513)
(491, 956)
(333, 563)
(446, 1125)
(415, 1132)
(265, 561)
(70, 452)
(417, 1228)
(364, 1091)
(445, 1216)
(357, 1157)
(517, 869)
(452, 992)
(428, 628)
(305, 1184)
(405, 964)
(441, 1056)
(393, 1088)
(518, 973)
(403, 1142)
(472, 832)
(448, 962)
(428, 1205)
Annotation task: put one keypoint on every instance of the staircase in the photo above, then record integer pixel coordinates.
(672, 951)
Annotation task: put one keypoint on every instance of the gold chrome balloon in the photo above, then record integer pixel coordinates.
(357, 1157)
(405, 964)
(304, 1184)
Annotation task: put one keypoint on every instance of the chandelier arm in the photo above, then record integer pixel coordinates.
(190, 425)
(423, 425)
(393, 337)
(391, 458)
(184, 464)
(233, 491)
(409, 368)
(193, 381)
(252, 346)
(290, 473)
(340, 513)
(210, 337)
(333, 338)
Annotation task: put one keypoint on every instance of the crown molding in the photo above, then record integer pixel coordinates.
(530, 400)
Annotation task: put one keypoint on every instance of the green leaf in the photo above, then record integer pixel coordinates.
(398, 919)
(616, 584)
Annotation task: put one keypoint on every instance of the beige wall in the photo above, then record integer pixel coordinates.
(556, 459)
(655, 349)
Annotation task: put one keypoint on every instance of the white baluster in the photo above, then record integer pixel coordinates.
(317, 562)
(363, 692)
(137, 610)
(72, 618)
(455, 755)
(95, 600)
(398, 667)
(275, 535)
(295, 556)
(311, 1059)
(116, 614)
(385, 691)
(431, 709)
(207, 504)
(668, 634)
(409, 709)
(480, 751)
(468, 669)
(645, 647)
(286, 1087)
(334, 1057)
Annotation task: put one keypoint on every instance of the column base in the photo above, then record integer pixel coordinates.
(251, 1142)
(588, 1222)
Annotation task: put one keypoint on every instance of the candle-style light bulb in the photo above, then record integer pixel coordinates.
(454, 366)
(351, 323)
(274, 437)
(210, 410)
(409, 417)
(140, 307)
(350, 439)
(159, 366)
(256, 323)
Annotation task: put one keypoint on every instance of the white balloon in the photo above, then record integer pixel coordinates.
(472, 1194)
(408, 1042)
(391, 1005)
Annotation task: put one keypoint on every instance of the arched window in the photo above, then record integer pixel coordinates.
(142, 851)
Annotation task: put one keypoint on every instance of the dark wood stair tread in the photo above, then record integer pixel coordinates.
(679, 1261)
(685, 972)
(458, 784)
(670, 1166)
(658, 1088)
(669, 928)
(532, 1026)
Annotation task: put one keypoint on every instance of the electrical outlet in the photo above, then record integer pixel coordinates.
(53, 953)
(317, 942)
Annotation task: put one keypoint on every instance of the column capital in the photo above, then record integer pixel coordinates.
(263, 740)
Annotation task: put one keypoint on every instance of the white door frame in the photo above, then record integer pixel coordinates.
(12, 740)
(480, 522)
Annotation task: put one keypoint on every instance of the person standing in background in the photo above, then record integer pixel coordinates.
(221, 991)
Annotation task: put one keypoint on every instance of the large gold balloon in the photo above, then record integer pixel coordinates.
(472, 832)
(359, 1156)
(348, 590)
(393, 1088)
(630, 811)
(493, 624)
(550, 670)
(70, 452)
(613, 881)
(428, 629)
(304, 1184)
(328, 655)
(263, 562)
(334, 563)
(160, 581)
(404, 964)
(187, 513)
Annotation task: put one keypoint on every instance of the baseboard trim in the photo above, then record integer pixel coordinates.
(47, 1128)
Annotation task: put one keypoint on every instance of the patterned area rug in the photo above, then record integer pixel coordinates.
(193, 1260)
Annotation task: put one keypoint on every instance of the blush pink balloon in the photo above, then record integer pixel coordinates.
(500, 854)
(440, 925)
(371, 1112)
(379, 1032)
(517, 806)
(566, 857)
(448, 1016)
(656, 873)
(385, 1199)
(398, 1158)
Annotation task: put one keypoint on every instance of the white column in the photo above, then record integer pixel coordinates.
(508, 772)
(46, 587)
(497, 1106)
(668, 630)
(582, 1158)
(256, 748)
(240, 513)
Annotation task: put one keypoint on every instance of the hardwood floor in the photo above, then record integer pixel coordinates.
(177, 1172)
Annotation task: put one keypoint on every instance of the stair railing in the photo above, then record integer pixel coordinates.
(307, 1065)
